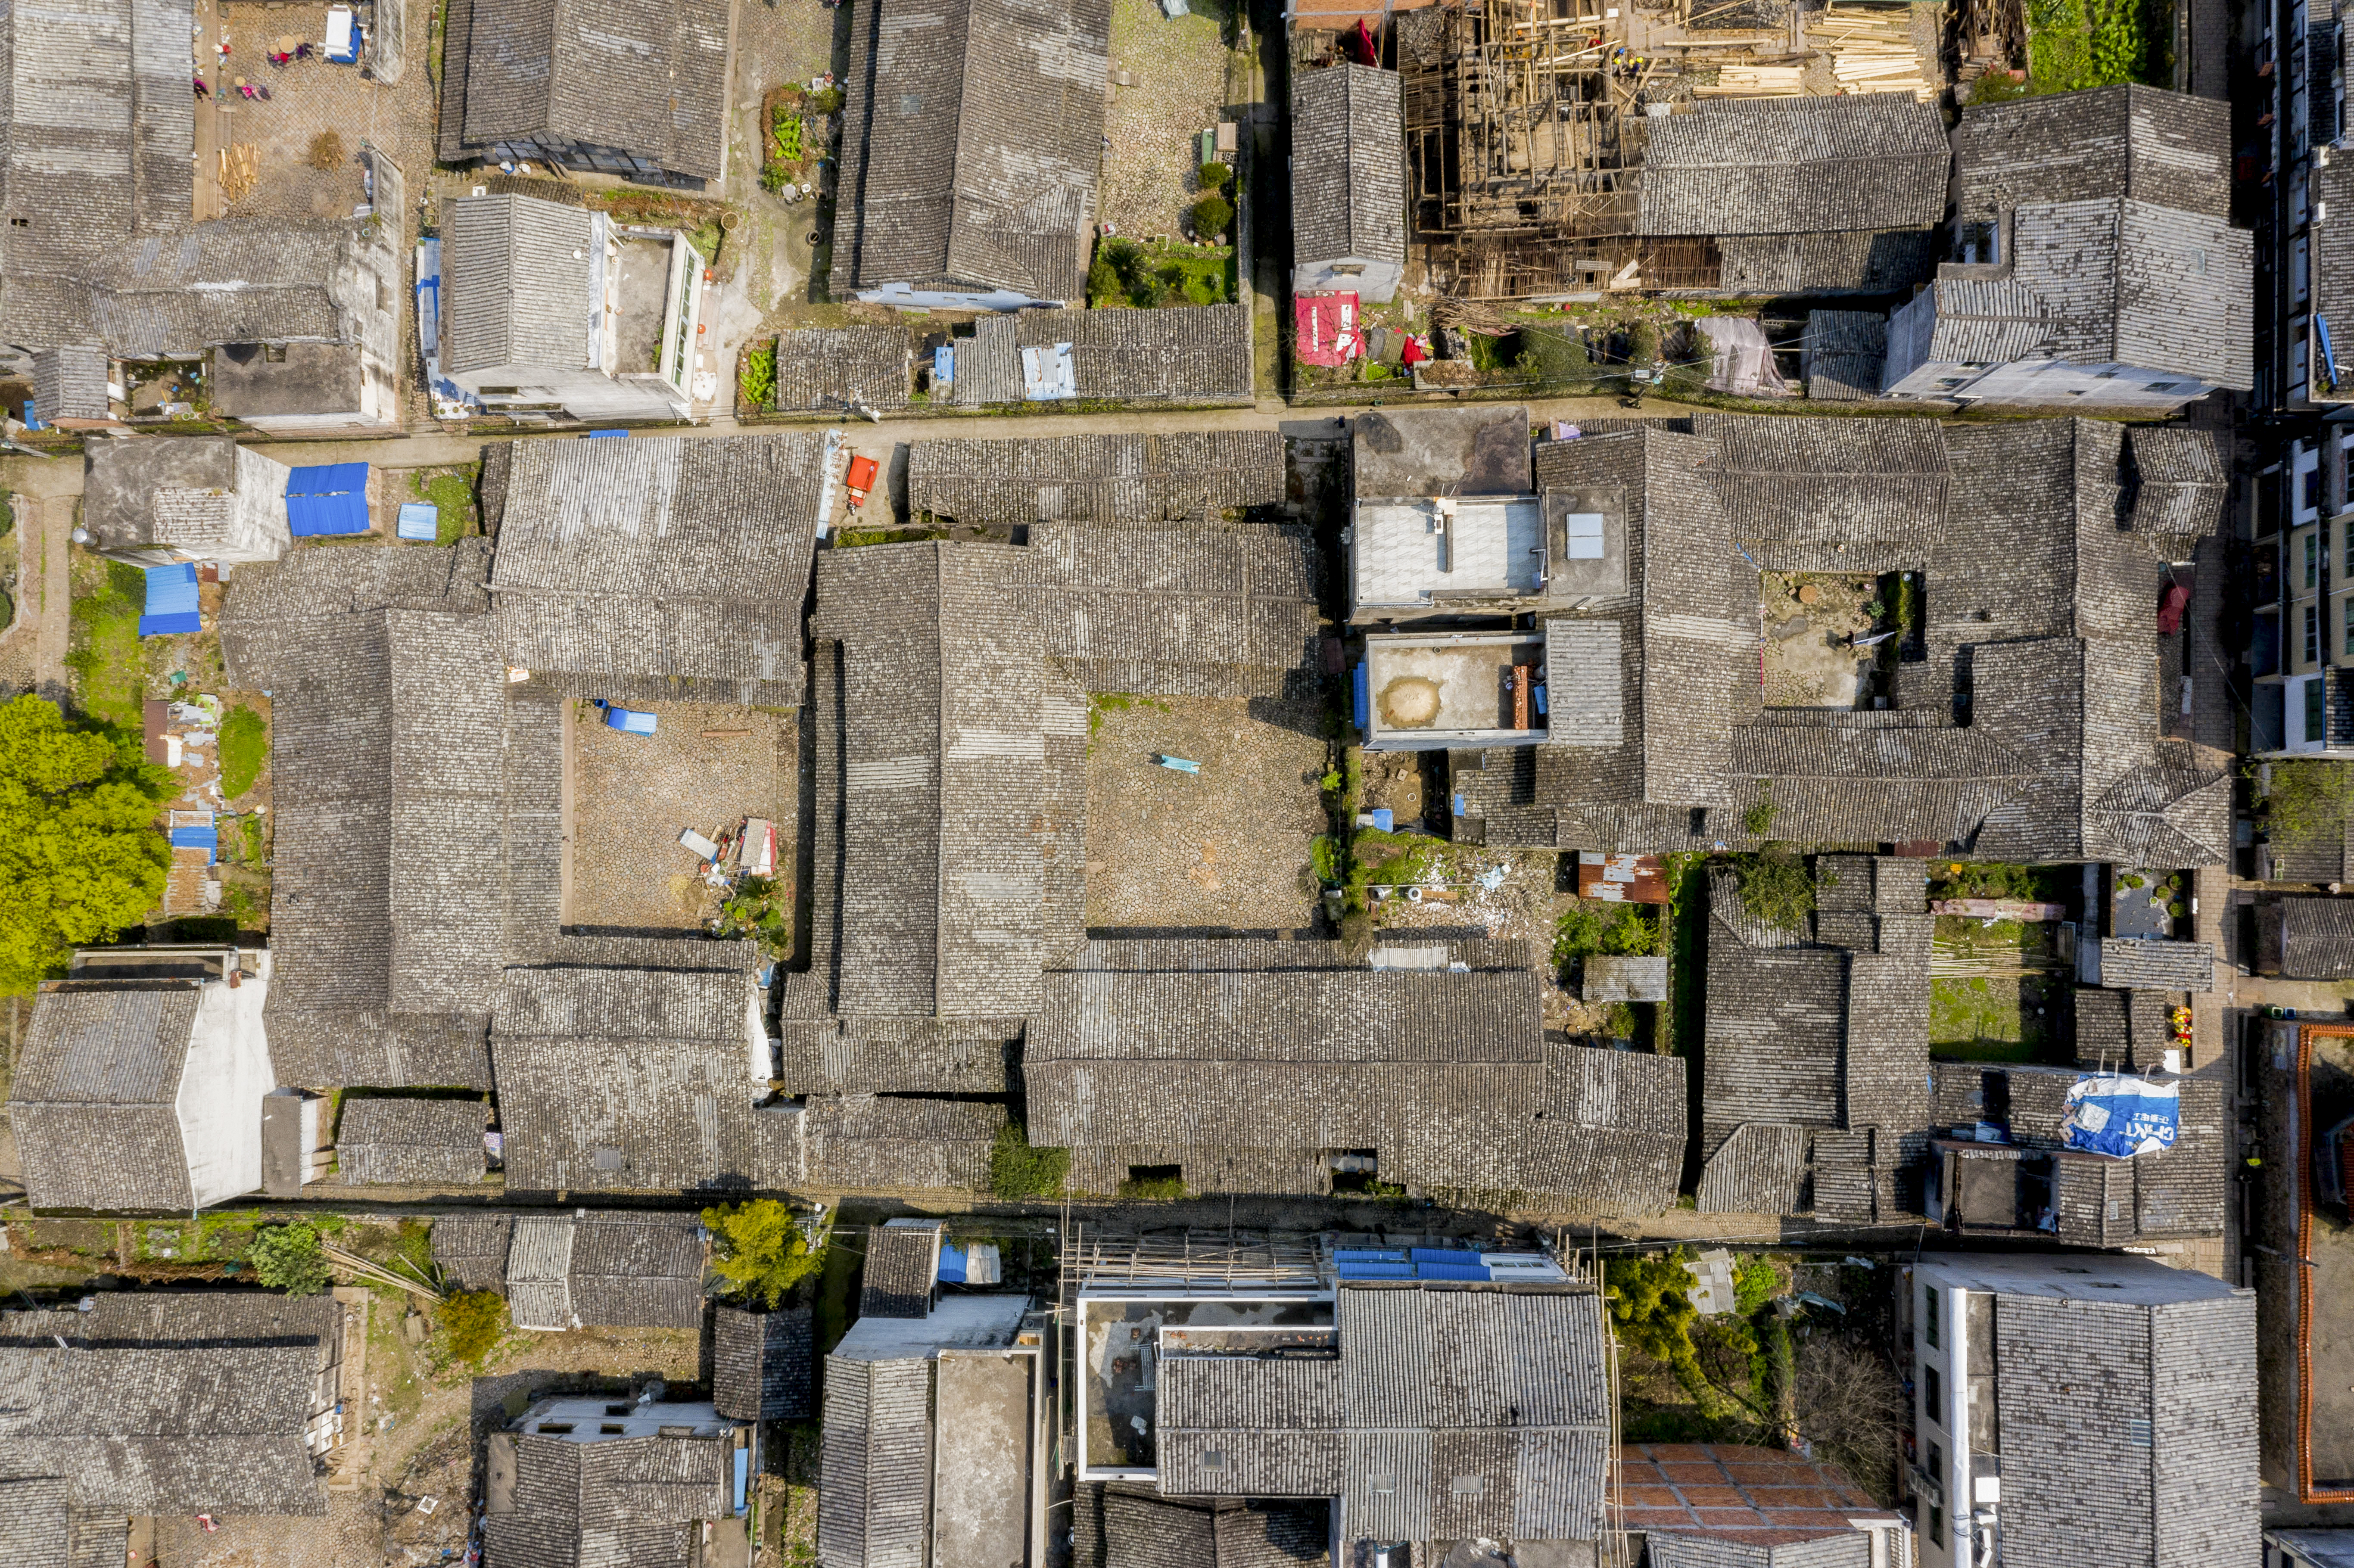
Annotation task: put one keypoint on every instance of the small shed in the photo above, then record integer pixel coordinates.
(330, 499)
(171, 606)
(1611, 977)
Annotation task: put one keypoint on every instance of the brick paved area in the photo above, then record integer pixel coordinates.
(1180, 68)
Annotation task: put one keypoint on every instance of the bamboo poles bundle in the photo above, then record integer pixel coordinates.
(1872, 49)
(352, 1263)
(240, 168)
(1755, 81)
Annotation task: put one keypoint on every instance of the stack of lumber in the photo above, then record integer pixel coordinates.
(1755, 81)
(1872, 49)
(240, 168)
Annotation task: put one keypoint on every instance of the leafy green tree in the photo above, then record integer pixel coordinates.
(760, 1249)
(287, 1258)
(1652, 1314)
(1212, 176)
(79, 855)
(1211, 216)
(1775, 886)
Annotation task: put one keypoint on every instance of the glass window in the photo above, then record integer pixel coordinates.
(2309, 490)
(1930, 1302)
(2312, 559)
(2313, 699)
(1932, 1395)
(2312, 634)
(1938, 1463)
(2349, 602)
(1937, 1524)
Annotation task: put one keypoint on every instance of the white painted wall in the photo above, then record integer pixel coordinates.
(257, 527)
(221, 1085)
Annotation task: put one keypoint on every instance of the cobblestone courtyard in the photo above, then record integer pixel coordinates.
(1179, 67)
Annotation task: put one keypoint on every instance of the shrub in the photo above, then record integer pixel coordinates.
(826, 99)
(1212, 176)
(1553, 353)
(1998, 87)
(1016, 1170)
(244, 747)
(287, 1257)
(760, 1249)
(758, 376)
(1210, 214)
(1643, 342)
(1758, 820)
(1651, 1313)
(2306, 801)
(1593, 926)
(1153, 1188)
(472, 1322)
(1775, 886)
(1755, 1283)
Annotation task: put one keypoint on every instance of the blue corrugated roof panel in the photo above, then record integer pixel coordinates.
(622, 434)
(1369, 1255)
(629, 720)
(331, 498)
(1445, 1254)
(1364, 696)
(1368, 1270)
(207, 839)
(1449, 1271)
(171, 601)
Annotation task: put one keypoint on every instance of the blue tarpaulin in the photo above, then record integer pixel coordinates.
(622, 434)
(329, 499)
(951, 1263)
(421, 520)
(207, 838)
(1364, 695)
(1417, 1263)
(2122, 1117)
(627, 720)
(171, 601)
(944, 365)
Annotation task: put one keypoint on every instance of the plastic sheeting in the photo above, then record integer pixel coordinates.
(2121, 1117)
(1740, 360)
(1330, 330)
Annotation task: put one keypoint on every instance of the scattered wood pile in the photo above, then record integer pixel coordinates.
(1872, 49)
(1738, 80)
(240, 168)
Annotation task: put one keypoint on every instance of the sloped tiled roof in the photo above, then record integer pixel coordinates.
(648, 81)
(821, 369)
(606, 1268)
(95, 1095)
(406, 1142)
(471, 1249)
(1348, 165)
(634, 1501)
(761, 1364)
(1868, 262)
(1795, 165)
(1448, 1413)
(172, 1403)
(614, 1079)
(671, 567)
(2316, 939)
(2131, 141)
(902, 1265)
(1118, 1526)
(1129, 480)
(971, 144)
(518, 280)
(2142, 964)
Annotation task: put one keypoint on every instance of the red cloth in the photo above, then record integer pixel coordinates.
(1329, 329)
(2171, 608)
(1413, 355)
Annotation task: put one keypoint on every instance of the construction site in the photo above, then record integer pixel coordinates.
(1526, 121)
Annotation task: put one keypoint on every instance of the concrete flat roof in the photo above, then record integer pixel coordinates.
(958, 1322)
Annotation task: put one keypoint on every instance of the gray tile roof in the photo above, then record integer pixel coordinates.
(933, 684)
(1809, 1038)
(643, 80)
(69, 382)
(1121, 1526)
(899, 1142)
(2139, 142)
(409, 1141)
(471, 1249)
(1795, 165)
(389, 728)
(1184, 354)
(2316, 939)
(519, 282)
(2120, 1028)
(673, 567)
(1134, 480)
(1245, 1074)
(2182, 1192)
(172, 1403)
(1448, 1413)
(1863, 261)
(100, 130)
(623, 1079)
(1348, 165)
(2130, 963)
(625, 1500)
(2189, 1365)
(899, 1055)
(1218, 611)
(971, 144)
(606, 1268)
(2037, 618)
(821, 369)
(761, 1365)
(2182, 478)
(95, 1095)
(874, 1485)
(2332, 259)
(901, 1269)
(1844, 354)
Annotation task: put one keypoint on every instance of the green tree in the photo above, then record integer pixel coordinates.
(1212, 176)
(287, 1258)
(80, 856)
(1211, 216)
(760, 1249)
(1016, 1170)
(1652, 1314)
(1775, 887)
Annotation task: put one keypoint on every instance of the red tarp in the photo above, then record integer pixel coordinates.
(1329, 329)
(2170, 608)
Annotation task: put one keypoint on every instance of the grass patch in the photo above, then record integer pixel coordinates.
(1142, 276)
(1593, 926)
(1153, 1189)
(1017, 1170)
(451, 492)
(244, 748)
(110, 674)
(1990, 1018)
